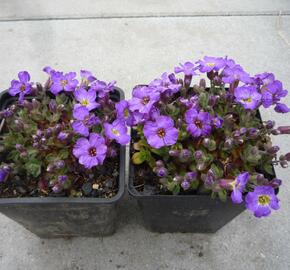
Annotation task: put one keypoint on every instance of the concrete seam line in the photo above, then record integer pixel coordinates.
(147, 15)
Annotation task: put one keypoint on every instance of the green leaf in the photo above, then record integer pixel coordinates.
(138, 158)
(203, 100)
(222, 195)
(33, 168)
(268, 168)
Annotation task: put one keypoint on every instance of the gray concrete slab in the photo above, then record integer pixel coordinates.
(31, 9)
(135, 51)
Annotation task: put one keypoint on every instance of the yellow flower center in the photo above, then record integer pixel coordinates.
(247, 100)
(264, 200)
(210, 64)
(115, 132)
(22, 88)
(85, 102)
(63, 83)
(161, 132)
(126, 112)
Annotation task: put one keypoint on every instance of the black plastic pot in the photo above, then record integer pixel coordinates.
(52, 217)
(184, 213)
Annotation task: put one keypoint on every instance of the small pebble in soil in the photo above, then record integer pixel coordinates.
(109, 183)
(87, 188)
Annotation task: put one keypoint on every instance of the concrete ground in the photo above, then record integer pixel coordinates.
(133, 42)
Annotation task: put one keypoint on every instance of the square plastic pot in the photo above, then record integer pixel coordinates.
(184, 213)
(53, 217)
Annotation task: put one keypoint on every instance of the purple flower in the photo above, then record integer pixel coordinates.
(161, 132)
(281, 108)
(87, 76)
(264, 78)
(272, 93)
(84, 121)
(123, 112)
(143, 99)
(198, 123)
(210, 63)
(62, 136)
(185, 185)
(90, 152)
(262, 200)
(3, 175)
(187, 68)
(217, 122)
(102, 88)
(161, 171)
(62, 179)
(21, 87)
(235, 73)
(86, 99)
(167, 84)
(60, 82)
(117, 131)
(238, 187)
(248, 97)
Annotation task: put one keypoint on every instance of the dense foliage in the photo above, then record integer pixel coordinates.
(210, 138)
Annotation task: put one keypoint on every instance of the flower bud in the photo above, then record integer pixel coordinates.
(62, 136)
(202, 83)
(57, 128)
(59, 164)
(287, 156)
(178, 178)
(243, 130)
(161, 172)
(284, 163)
(253, 132)
(19, 124)
(275, 183)
(185, 185)
(159, 163)
(3, 175)
(190, 176)
(28, 105)
(273, 150)
(198, 154)
(62, 179)
(173, 153)
(60, 107)
(212, 101)
(184, 154)
(284, 129)
(35, 104)
(275, 132)
(229, 143)
(53, 106)
(269, 124)
(50, 168)
(56, 188)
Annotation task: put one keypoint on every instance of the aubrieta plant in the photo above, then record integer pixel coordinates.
(61, 138)
(208, 139)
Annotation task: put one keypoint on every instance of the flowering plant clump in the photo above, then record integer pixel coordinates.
(61, 138)
(194, 139)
